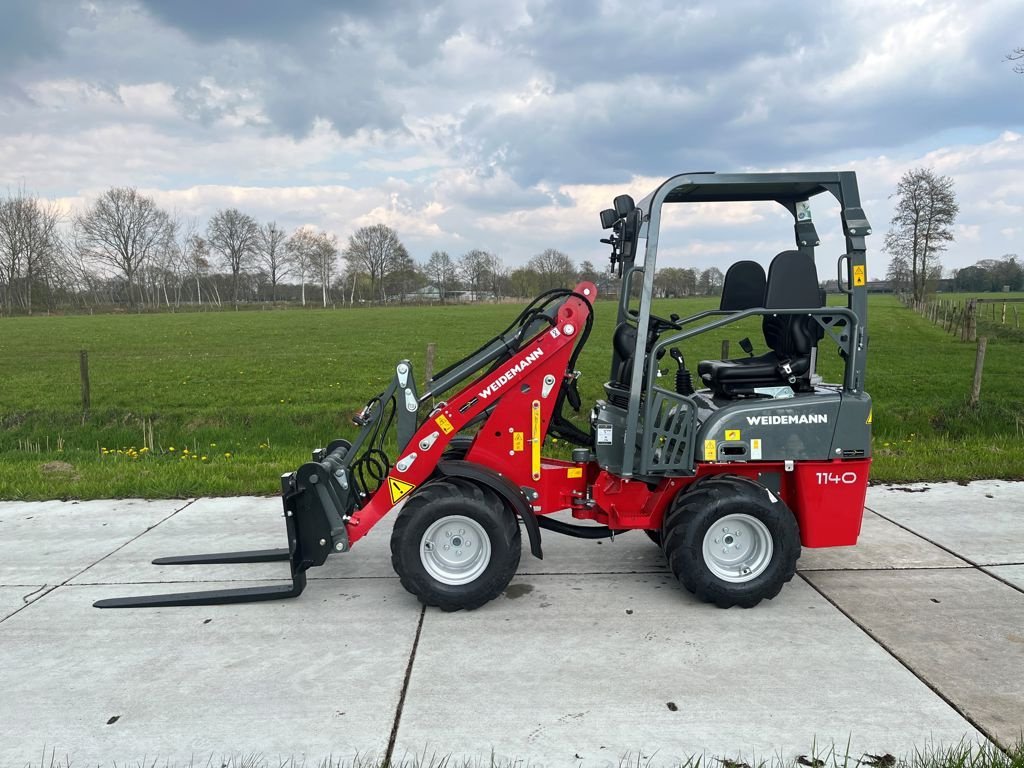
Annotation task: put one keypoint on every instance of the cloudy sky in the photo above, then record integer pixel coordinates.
(508, 125)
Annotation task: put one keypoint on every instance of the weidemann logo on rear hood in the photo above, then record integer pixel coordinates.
(804, 418)
(511, 373)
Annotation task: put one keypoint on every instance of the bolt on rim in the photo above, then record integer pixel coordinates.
(738, 548)
(455, 550)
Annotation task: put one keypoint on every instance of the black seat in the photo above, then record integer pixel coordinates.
(624, 343)
(792, 283)
(743, 287)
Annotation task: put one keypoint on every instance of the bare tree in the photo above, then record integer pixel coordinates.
(709, 282)
(315, 253)
(300, 247)
(273, 255)
(523, 282)
(474, 266)
(374, 250)
(497, 274)
(197, 261)
(926, 208)
(122, 230)
(324, 260)
(898, 274)
(440, 270)
(233, 235)
(1017, 54)
(30, 246)
(555, 269)
(404, 275)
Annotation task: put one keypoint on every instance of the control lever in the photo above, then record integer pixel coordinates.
(684, 382)
(747, 347)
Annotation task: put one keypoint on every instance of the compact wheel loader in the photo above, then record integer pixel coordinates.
(729, 477)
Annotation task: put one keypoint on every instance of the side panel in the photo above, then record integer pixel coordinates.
(799, 428)
(827, 498)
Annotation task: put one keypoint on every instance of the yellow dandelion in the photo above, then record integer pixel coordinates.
(171, 449)
(227, 455)
(213, 445)
(204, 458)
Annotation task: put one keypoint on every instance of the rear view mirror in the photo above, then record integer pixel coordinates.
(624, 204)
(608, 218)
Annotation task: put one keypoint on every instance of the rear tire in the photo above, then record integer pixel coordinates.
(654, 536)
(730, 541)
(455, 545)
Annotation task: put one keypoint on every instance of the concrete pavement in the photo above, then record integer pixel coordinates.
(912, 637)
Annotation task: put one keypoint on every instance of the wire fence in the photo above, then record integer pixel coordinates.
(962, 317)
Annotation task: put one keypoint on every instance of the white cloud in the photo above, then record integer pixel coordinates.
(511, 127)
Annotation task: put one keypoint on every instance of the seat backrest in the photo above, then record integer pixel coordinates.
(743, 287)
(792, 284)
(624, 342)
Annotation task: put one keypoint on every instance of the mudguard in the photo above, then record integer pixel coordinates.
(502, 486)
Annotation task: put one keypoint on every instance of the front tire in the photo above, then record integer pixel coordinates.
(455, 545)
(730, 541)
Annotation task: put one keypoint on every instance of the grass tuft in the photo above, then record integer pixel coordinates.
(961, 755)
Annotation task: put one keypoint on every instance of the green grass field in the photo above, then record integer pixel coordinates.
(250, 393)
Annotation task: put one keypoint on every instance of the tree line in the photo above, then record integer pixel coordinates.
(123, 250)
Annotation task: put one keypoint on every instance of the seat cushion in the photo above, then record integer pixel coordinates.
(743, 370)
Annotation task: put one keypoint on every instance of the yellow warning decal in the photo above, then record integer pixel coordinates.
(444, 424)
(732, 434)
(755, 448)
(870, 410)
(517, 441)
(710, 450)
(398, 489)
(859, 274)
(574, 472)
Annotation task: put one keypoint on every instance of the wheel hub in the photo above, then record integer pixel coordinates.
(737, 548)
(455, 550)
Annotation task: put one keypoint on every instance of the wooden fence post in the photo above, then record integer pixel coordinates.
(1002, 319)
(428, 366)
(979, 364)
(725, 349)
(83, 370)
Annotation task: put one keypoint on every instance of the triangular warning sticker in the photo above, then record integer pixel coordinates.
(869, 416)
(398, 489)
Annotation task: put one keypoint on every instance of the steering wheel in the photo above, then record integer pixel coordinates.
(659, 324)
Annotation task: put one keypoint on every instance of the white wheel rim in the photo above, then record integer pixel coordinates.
(738, 548)
(455, 550)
